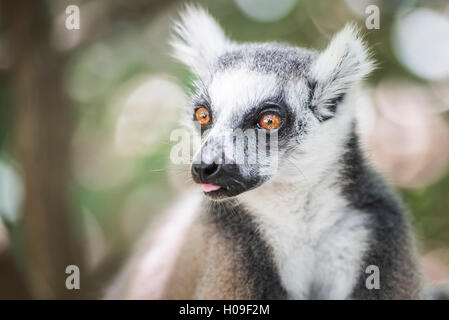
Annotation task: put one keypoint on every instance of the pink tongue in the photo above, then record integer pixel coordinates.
(209, 187)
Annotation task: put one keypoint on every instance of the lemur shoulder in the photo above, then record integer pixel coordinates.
(307, 230)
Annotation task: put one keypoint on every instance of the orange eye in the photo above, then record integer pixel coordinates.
(202, 115)
(270, 121)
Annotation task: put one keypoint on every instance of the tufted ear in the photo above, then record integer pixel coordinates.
(344, 62)
(198, 40)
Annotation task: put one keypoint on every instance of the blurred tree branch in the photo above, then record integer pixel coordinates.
(11, 280)
(42, 134)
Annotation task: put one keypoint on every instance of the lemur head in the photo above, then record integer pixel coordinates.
(289, 104)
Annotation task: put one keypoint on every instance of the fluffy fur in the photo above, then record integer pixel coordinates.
(309, 229)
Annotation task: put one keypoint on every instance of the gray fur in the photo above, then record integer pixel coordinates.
(253, 254)
(391, 247)
(283, 60)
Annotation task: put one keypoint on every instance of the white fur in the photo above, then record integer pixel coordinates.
(233, 92)
(343, 63)
(306, 220)
(230, 100)
(317, 240)
(198, 40)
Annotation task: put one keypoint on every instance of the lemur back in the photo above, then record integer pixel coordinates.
(311, 226)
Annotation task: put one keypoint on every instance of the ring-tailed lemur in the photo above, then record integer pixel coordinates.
(311, 229)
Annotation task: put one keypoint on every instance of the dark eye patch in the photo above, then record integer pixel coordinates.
(276, 106)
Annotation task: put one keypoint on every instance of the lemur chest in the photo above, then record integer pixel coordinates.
(317, 252)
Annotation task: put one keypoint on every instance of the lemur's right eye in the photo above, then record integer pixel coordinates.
(202, 115)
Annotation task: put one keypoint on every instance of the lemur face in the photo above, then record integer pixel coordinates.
(250, 112)
(261, 109)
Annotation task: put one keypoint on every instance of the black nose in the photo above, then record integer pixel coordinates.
(205, 171)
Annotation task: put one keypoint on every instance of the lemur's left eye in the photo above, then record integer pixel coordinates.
(269, 121)
(202, 115)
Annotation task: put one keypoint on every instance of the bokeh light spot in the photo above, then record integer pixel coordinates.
(266, 10)
(421, 42)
